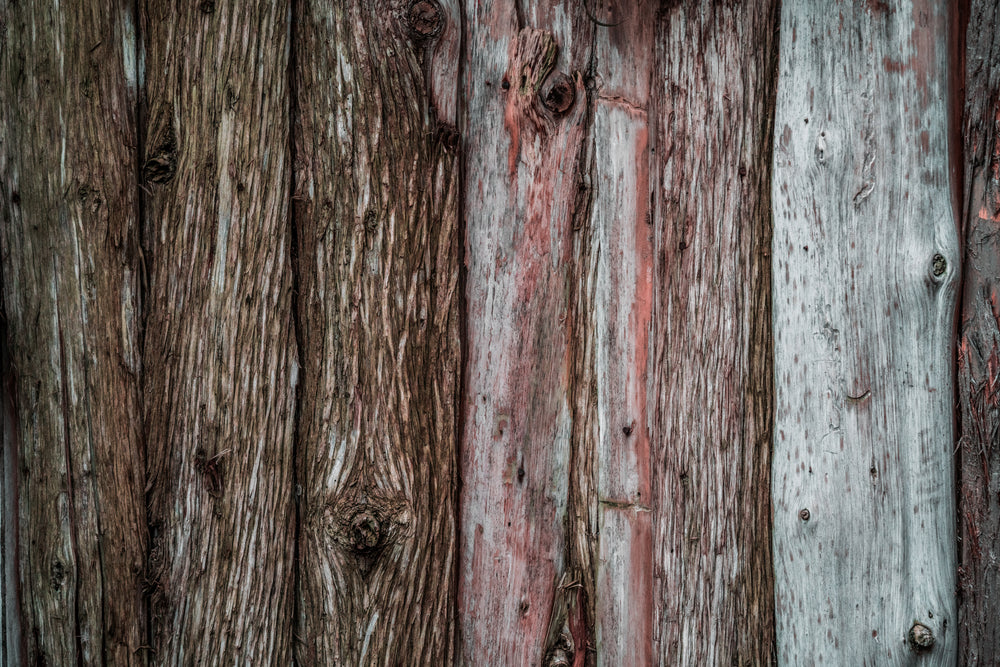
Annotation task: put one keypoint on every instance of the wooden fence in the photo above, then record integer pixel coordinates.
(494, 332)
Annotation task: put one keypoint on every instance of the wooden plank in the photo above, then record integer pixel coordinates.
(70, 264)
(711, 345)
(221, 358)
(864, 278)
(376, 210)
(979, 343)
(525, 128)
(614, 270)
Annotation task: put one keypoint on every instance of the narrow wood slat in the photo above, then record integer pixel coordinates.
(74, 515)
(979, 343)
(376, 216)
(615, 274)
(220, 353)
(864, 274)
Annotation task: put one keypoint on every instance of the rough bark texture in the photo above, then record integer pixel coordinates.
(220, 352)
(864, 278)
(711, 359)
(979, 346)
(75, 540)
(376, 210)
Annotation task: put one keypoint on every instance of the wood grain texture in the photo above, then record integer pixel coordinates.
(979, 346)
(710, 366)
(76, 538)
(376, 210)
(221, 356)
(524, 195)
(614, 270)
(864, 279)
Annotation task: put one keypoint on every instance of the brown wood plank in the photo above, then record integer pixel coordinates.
(71, 285)
(221, 358)
(710, 366)
(376, 210)
(979, 343)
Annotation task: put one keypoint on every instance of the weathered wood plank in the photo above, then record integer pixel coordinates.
(221, 366)
(614, 270)
(710, 367)
(864, 279)
(376, 210)
(979, 346)
(70, 266)
(525, 128)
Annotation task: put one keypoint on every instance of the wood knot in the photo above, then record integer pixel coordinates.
(562, 652)
(447, 136)
(425, 19)
(921, 637)
(161, 166)
(364, 523)
(558, 93)
(365, 532)
(939, 265)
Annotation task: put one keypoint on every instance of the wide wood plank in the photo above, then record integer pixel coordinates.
(524, 587)
(74, 514)
(710, 366)
(864, 277)
(378, 246)
(221, 357)
(979, 343)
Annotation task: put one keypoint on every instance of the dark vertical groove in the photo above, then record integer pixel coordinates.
(580, 381)
(463, 327)
(8, 498)
(293, 250)
(71, 506)
(143, 285)
(976, 47)
(766, 319)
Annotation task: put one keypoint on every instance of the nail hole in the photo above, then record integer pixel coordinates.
(804, 514)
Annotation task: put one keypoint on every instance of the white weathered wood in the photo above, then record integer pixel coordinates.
(864, 275)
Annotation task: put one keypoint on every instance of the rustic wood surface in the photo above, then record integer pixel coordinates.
(614, 305)
(71, 283)
(442, 332)
(865, 270)
(220, 353)
(710, 367)
(523, 193)
(378, 242)
(978, 353)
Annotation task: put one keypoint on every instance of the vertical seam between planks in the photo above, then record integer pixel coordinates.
(461, 399)
(293, 251)
(143, 286)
